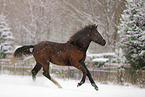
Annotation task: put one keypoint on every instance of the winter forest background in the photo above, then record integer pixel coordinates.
(121, 23)
(56, 20)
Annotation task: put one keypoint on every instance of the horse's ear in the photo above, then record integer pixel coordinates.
(96, 26)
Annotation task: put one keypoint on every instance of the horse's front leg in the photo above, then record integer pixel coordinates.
(83, 78)
(81, 68)
(90, 77)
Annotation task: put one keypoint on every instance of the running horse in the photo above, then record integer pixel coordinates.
(71, 53)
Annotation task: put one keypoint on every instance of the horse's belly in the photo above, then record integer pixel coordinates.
(60, 61)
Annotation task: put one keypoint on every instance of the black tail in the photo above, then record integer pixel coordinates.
(24, 50)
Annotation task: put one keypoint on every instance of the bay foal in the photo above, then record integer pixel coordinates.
(71, 53)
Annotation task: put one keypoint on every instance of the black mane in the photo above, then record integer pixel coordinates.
(80, 34)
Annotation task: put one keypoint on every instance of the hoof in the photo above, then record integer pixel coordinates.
(79, 84)
(60, 87)
(34, 78)
(96, 88)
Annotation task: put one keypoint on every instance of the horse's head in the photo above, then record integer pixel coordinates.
(96, 36)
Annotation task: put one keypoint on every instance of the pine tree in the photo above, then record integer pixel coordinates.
(131, 30)
(6, 38)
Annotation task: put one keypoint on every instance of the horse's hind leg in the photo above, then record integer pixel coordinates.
(46, 74)
(35, 70)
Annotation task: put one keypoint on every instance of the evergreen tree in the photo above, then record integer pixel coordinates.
(6, 38)
(132, 30)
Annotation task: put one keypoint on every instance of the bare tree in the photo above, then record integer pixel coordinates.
(105, 13)
(56, 20)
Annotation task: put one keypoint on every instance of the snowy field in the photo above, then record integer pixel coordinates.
(23, 86)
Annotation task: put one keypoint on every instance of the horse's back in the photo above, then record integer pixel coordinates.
(47, 51)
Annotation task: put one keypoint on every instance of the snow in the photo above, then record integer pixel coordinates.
(142, 52)
(23, 86)
(100, 60)
(101, 54)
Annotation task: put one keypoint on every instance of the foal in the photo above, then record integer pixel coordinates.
(71, 53)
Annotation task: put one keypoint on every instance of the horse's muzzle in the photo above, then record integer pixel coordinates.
(104, 42)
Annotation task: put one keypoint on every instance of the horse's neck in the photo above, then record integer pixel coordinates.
(82, 43)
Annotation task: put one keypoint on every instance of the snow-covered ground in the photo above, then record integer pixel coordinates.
(23, 86)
